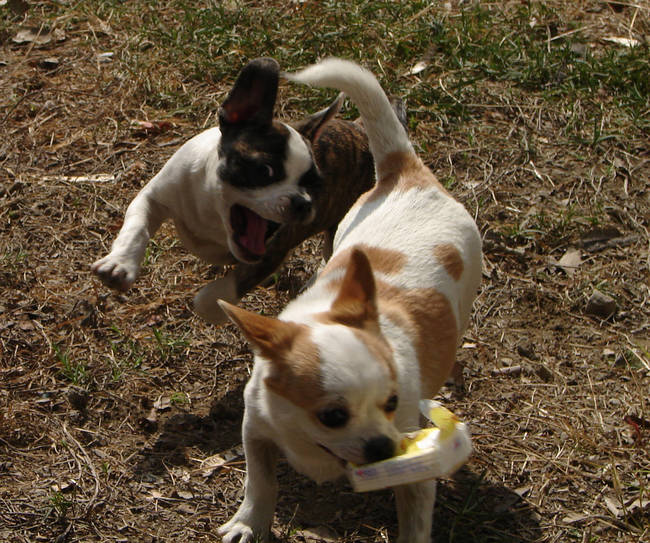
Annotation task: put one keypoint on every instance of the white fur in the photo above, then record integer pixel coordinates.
(188, 191)
(411, 222)
(385, 132)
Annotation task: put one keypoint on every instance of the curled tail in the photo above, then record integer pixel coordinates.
(386, 135)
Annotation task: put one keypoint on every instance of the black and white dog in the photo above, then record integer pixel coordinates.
(247, 191)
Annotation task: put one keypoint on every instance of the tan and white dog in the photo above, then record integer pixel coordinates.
(338, 375)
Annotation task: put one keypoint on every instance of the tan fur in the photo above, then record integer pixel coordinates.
(296, 374)
(426, 315)
(355, 304)
(399, 172)
(450, 258)
(386, 261)
(295, 362)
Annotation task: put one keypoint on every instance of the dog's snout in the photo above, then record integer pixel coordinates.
(378, 448)
(301, 206)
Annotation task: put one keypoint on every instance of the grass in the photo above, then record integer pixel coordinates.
(529, 116)
(75, 372)
(126, 354)
(59, 504)
(168, 345)
(529, 47)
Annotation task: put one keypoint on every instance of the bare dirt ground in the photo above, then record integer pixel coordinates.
(120, 413)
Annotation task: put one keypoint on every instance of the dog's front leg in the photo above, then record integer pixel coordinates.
(245, 277)
(252, 522)
(415, 511)
(120, 267)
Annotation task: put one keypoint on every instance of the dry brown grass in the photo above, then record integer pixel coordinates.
(111, 404)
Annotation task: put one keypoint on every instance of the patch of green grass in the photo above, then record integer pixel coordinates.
(176, 52)
(13, 259)
(59, 504)
(179, 398)
(155, 249)
(75, 372)
(168, 345)
(127, 354)
(554, 228)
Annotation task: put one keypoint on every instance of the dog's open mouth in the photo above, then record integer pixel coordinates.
(251, 232)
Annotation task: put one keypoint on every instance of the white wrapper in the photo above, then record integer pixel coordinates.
(428, 454)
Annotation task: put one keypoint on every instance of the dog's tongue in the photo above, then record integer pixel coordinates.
(253, 238)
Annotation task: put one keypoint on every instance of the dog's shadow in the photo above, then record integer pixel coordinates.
(468, 509)
(219, 430)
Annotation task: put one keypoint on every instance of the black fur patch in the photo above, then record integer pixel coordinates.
(254, 158)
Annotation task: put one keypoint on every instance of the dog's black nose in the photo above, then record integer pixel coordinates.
(301, 207)
(378, 448)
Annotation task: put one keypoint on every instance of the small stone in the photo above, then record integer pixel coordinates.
(544, 373)
(49, 63)
(526, 348)
(600, 305)
(78, 398)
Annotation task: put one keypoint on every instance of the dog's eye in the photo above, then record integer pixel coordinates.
(391, 404)
(334, 418)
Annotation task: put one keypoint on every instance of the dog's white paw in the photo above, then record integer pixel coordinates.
(235, 531)
(115, 271)
(205, 302)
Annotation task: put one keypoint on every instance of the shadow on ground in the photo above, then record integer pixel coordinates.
(219, 430)
(468, 509)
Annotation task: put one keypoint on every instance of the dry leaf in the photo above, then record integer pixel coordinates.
(613, 506)
(211, 464)
(570, 261)
(318, 534)
(573, 518)
(418, 67)
(145, 128)
(152, 417)
(29, 35)
(163, 403)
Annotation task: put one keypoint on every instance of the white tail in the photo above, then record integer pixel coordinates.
(386, 135)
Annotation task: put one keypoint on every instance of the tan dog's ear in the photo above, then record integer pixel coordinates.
(355, 304)
(272, 337)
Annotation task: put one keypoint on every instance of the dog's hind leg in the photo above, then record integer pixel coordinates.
(415, 511)
(205, 301)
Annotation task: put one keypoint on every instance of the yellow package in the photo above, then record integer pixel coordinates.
(426, 454)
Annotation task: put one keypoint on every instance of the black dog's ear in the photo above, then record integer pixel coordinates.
(312, 126)
(252, 98)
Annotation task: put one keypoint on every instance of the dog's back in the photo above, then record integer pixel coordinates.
(423, 246)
